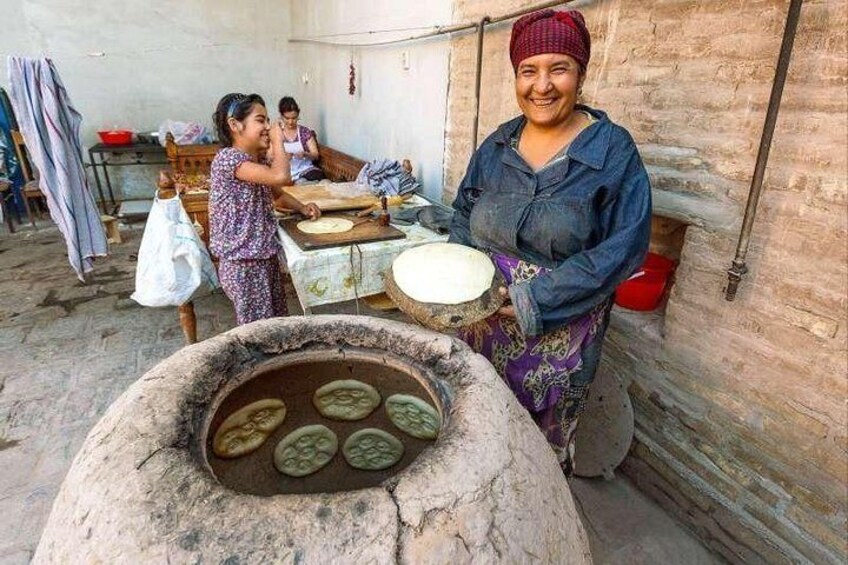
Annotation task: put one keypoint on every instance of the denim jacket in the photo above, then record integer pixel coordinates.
(587, 217)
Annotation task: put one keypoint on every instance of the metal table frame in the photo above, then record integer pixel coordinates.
(144, 154)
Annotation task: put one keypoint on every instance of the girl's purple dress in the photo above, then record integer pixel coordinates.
(243, 235)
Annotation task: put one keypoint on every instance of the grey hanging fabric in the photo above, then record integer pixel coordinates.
(50, 126)
(387, 178)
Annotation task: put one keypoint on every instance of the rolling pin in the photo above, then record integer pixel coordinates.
(390, 201)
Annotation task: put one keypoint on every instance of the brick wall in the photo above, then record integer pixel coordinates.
(740, 407)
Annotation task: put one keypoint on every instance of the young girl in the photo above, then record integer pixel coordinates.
(247, 177)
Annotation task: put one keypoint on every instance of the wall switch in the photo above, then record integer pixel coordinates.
(404, 60)
(305, 78)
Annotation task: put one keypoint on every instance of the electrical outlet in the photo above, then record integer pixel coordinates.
(305, 78)
(404, 60)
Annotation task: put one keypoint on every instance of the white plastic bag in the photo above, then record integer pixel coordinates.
(185, 133)
(172, 260)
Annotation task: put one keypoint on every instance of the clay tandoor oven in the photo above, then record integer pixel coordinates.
(160, 479)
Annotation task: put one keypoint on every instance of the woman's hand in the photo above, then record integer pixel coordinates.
(507, 309)
(311, 209)
(276, 135)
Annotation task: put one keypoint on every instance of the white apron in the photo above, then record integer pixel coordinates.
(298, 165)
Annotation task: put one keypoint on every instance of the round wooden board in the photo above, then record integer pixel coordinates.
(441, 317)
(605, 430)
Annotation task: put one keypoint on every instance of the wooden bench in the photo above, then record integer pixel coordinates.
(197, 160)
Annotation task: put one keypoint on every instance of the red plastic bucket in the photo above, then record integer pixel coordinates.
(644, 290)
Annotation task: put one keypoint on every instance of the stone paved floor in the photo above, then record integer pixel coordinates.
(67, 350)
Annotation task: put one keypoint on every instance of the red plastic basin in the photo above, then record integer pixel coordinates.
(644, 290)
(116, 137)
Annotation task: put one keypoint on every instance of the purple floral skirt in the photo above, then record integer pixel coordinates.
(549, 374)
(255, 287)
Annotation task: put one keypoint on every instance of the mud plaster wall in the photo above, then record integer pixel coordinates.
(740, 407)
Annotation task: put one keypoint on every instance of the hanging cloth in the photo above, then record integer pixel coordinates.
(50, 126)
(13, 172)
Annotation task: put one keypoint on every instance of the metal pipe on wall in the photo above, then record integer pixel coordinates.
(738, 268)
(478, 69)
(478, 77)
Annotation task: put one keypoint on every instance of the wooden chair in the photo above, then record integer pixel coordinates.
(31, 190)
(185, 161)
(190, 158)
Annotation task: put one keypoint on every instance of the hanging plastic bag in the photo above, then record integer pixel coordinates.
(172, 260)
(185, 133)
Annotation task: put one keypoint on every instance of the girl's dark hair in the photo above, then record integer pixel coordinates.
(288, 104)
(233, 105)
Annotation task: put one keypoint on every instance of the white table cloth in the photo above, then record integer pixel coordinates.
(337, 274)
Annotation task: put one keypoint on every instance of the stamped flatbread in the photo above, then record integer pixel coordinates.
(372, 450)
(413, 416)
(346, 399)
(246, 429)
(325, 225)
(305, 450)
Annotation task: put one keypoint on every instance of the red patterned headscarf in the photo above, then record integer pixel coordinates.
(550, 31)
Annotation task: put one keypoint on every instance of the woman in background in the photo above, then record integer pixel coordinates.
(300, 143)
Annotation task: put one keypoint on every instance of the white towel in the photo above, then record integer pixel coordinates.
(50, 126)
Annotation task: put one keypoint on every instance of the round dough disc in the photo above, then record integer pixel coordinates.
(246, 429)
(347, 399)
(305, 450)
(413, 416)
(606, 427)
(372, 450)
(325, 225)
(443, 273)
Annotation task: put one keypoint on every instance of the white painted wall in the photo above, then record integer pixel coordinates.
(175, 59)
(161, 59)
(396, 113)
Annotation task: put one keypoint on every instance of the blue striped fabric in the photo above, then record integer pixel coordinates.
(50, 126)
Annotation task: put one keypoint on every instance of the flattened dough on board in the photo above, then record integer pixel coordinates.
(372, 450)
(346, 399)
(443, 273)
(414, 416)
(246, 429)
(325, 225)
(305, 450)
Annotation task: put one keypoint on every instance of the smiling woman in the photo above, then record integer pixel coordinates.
(560, 199)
